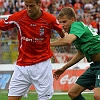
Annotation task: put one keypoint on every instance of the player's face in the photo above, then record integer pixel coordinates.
(33, 8)
(66, 23)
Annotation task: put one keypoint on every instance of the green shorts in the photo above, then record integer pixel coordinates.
(91, 77)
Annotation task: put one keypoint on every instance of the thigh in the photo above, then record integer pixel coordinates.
(76, 89)
(87, 79)
(19, 83)
(43, 81)
(97, 93)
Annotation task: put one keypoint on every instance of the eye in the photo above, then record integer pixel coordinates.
(26, 5)
(29, 5)
(63, 21)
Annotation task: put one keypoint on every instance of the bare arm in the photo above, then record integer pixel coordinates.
(67, 40)
(62, 34)
(79, 55)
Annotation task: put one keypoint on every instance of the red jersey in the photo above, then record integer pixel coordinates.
(33, 36)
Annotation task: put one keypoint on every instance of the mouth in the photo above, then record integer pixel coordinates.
(29, 12)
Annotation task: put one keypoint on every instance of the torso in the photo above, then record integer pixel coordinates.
(33, 36)
(88, 41)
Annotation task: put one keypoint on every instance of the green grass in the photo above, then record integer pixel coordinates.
(33, 96)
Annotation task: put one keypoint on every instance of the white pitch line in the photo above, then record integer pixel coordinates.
(56, 93)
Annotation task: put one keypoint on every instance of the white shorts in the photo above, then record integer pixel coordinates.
(40, 75)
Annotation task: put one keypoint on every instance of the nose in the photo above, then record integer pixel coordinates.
(62, 24)
(28, 7)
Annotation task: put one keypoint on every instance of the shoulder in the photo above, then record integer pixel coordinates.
(20, 13)
(17, 15)
(78, 25)
(77, 28)
(47, 15)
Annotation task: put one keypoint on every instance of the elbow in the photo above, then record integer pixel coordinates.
(66, 43)
(69, 43)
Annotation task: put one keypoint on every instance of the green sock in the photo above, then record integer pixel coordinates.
(79, 97)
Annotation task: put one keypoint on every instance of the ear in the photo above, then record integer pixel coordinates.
(73, 19)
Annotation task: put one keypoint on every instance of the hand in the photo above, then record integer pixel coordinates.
(57, 73)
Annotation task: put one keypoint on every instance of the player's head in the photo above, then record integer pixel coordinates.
(66, 17)
(33, 8)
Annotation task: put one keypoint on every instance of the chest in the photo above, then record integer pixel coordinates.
(35, 28)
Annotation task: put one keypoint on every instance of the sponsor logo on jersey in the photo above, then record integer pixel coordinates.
(32, 39)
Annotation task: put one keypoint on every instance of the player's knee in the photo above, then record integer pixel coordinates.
(96, 97)
(72, 94)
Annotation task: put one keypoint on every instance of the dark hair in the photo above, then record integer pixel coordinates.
(37, 1)
(68, 11)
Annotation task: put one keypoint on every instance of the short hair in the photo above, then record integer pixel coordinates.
(37, 1)
(68, 11)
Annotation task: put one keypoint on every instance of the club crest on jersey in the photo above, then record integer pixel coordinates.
(41, 31)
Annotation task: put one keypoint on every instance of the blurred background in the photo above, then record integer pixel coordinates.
(87, 11)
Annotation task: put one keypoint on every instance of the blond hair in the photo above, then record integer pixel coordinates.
(68, 11)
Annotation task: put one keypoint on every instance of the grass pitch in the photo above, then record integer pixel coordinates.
(33, 96)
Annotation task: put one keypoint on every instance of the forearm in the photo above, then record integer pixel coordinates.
(65, 41)
(58, 42)
(74, 60)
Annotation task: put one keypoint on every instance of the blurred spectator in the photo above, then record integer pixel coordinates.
(88, 6)
(2, 10)
(93, 24)
(5, 4)
(51, 7)
(10, 7)
(80, 13)
(98, 20)
(15, 9)
(45, 5)
(98, 2)
(60, 6)
(73, 2)
(1, 2)
(95, 8)
(6, 12)
(77, 5)
(68, 4)
(13, 35)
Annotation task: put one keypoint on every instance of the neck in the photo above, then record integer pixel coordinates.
(39, 13)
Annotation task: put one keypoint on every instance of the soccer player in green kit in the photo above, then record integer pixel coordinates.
(87, 42)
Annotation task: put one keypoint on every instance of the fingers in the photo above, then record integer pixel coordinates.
(55, 76)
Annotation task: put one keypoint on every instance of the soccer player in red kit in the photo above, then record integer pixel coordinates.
(33, 65)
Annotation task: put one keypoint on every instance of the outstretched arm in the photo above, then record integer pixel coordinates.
(67, 40)
(79, 55)
(62, 34)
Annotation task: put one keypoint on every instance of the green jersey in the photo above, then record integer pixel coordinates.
(88, 41)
